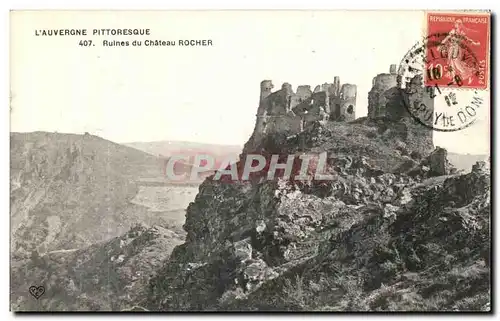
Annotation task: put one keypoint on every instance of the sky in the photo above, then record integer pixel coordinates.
(200, 94)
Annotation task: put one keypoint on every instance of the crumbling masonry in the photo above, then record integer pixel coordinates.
(288, 112)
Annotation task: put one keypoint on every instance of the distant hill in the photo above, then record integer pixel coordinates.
(465, 161)
(166, 149)
(70, 191)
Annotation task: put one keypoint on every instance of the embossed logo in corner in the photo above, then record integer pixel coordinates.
(37, 291)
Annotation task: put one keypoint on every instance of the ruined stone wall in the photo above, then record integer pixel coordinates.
(420, 133)
(303, 93)
(314, 108)
(274, 113)
(288, 112)
(342, 101)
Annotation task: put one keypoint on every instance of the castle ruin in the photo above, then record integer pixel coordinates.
(287, 112)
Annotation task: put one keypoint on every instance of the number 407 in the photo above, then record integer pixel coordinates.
(85, 43)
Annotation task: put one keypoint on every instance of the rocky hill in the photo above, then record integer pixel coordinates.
(397, 229)
(70, 191)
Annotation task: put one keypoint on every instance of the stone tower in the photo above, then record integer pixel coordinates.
(348, 102)
(393, 69)
(389, 101)
(266, 87)
(378, 97)
(336, 86)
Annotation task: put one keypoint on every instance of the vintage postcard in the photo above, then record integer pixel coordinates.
(250, 161)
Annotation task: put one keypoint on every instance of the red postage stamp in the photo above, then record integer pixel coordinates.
(459, 56)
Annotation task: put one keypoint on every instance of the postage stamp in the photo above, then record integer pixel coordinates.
(460, 57)
(445, 74)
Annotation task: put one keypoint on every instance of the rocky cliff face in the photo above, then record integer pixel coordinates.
(398, 229)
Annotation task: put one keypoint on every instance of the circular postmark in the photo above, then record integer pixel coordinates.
(436, 79)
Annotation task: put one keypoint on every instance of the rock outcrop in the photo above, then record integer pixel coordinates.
(382, 235)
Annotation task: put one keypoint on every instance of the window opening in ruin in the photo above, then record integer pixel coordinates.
(350, 109)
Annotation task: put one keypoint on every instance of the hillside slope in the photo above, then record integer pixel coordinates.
(70, 191)
(107, 276)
